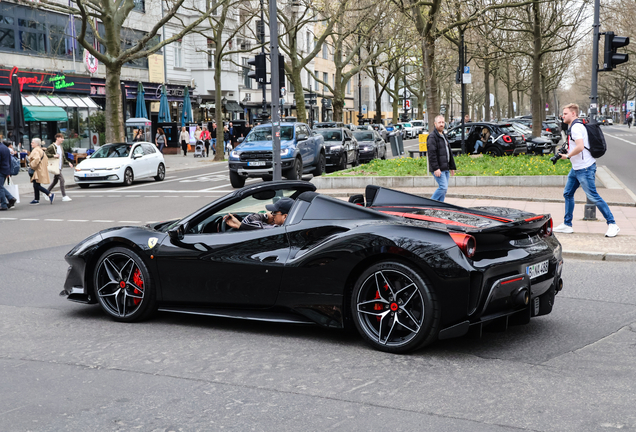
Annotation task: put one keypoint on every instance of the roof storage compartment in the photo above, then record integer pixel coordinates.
(328, 208)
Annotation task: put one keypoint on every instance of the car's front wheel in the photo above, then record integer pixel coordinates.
(320, 166)
(394, 308)
(161, 172)
(129, 177)
(123, 286)
(236, 180)
(296, 171)
(493, 151)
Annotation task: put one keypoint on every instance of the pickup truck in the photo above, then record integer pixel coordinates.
(302, 151)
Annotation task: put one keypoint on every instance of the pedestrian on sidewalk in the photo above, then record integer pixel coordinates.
(39, 172)
(184, 139)
(160, 139)
(227, 139)
(583, 173)
(629, 119)
(56, 151)
(197, 133)
(206, 137)
(440, 158)
(6, 199)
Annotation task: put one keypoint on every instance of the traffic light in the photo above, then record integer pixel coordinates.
(458, 75)
(612, 58)
(260, 74)
(281, 71)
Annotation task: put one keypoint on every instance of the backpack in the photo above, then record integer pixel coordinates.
(595, 136)
(15, 166)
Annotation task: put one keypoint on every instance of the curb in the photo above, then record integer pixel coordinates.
(347, 182)
(600, 256)
(500, 198)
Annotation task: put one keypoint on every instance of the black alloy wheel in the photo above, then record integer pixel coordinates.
(129, 177)
(236, 180)
(161, 172)
(394, 308)
(123, 286)
(320, 166)
(296, 171)
(493, 151)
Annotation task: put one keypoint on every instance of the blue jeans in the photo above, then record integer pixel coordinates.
(586, 178)
(442, 181)
(5, 196)
(478, 144)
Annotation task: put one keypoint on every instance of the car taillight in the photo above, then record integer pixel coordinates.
(507, 139)
(548, 130)
(546, 229)
(466, 243)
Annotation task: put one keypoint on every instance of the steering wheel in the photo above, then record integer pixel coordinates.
(225, 227)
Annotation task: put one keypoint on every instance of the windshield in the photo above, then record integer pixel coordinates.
(330, 135)
(407, 125)
(418, 123)
(363, 136)
(508, 129)
(112, 151)
(265, 134)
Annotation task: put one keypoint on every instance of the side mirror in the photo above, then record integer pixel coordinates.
(176, 234)
(240, 139)
(347, 138)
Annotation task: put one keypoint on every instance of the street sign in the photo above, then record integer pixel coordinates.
(466, 69)
(467, 78)
(364, 109)
(631, 105)
(407, 104)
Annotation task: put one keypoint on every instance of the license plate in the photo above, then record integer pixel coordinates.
(547, 151)
(92, 174)
(256, 164)
(537, 270)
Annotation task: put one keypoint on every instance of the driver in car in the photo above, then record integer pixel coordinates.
(276, 217)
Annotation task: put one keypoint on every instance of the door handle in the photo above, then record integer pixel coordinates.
(272, 258)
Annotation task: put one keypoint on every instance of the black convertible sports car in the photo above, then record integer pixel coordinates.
(402, 269)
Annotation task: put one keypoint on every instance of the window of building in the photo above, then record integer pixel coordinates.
(309, 80)
(309, 39)
(316, 84)
(349, 87)
(325, 51)
(140, 5)
(211, 52)
(247, 81)
(325, 78)
(211, 4)
(178, 53)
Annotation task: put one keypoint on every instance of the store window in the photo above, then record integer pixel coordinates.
(211, 52)
(178, 53)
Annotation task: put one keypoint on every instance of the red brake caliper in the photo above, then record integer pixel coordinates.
(377, 306)
(140, 283)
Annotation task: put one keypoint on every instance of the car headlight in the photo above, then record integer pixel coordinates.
(114, 168)
(234, 155)
(367, 148)
(335, 148)
(286, 152)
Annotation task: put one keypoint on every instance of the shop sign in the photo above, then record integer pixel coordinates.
(178, 92)
(45, 82)
(90, 62)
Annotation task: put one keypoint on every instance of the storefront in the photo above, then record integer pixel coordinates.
(53, 103)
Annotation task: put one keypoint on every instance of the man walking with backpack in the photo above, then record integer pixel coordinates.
(583, 172)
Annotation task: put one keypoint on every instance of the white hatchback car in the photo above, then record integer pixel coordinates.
(121, 163)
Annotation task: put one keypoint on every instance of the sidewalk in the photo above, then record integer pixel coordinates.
(588, 240)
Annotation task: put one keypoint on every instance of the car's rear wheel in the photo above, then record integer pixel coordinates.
(394, 308)
(296, 171)
(493, 151)
(129, 177)
(84, 185)
(123, 286)
(320, 166)
(161, 172)
(342, 163)
(236, 180)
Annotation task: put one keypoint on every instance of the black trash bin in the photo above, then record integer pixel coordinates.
(400, 144)
(393, 139)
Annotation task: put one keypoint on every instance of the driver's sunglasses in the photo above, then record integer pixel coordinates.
(277, 213)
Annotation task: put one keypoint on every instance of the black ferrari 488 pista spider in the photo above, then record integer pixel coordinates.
(401, 269)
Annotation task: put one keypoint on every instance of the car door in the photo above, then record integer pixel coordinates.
(210, 267)
(348, 145)
(306, 146)
(139, 162)
(380, 145)
(153, 157)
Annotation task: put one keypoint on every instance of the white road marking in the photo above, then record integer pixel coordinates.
(8, 218)
(54, 220)
(133, 196)
(105, 221)
(77, 220)
(190, 196)
(30, 219)
(619, 138)
(113, 196)
(151, 196)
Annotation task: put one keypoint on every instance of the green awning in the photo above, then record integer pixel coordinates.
(44, 113)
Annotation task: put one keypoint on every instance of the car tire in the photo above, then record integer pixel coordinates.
(123, 286)
(406, 315)
(236, 180)
(83, 185)
(296, 171)
(493, 151)
(342, 163)
(267, 177)
(320, 166)
(356, 161)
(129, 177)
(161, 172)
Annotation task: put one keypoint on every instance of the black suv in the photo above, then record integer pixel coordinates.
(502, 139)
(341, 148)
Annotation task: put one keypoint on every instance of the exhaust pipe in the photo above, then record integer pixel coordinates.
(559, 285)
(521, 297)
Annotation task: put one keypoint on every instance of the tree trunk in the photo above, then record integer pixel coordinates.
(299, 95)
(509, 89)
(486, 90)
(378, 95)
(430, 77)
(536, 72)
(114, 111)
(497, 106)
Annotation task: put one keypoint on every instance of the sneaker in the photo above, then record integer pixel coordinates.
(612, 230)
(4, 208)
(52, 197)
(34, 202)
(66, 198)
(12, 202)
(564, 229)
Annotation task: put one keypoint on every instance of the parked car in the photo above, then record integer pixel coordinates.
(320, 125)
(371, 145)
(121, 163)
(382, 130)
(419, 126)
(302, 151)
(536, 145)
(341, 148)
(502, 138)
(606, 121)
(409, 131)
(552, 129)
(404, 270)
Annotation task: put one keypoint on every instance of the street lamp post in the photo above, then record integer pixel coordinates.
(263, 85)
(360, 115)
(405, 95)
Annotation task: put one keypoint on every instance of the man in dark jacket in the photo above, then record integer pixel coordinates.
(6, 199)
(440, 158)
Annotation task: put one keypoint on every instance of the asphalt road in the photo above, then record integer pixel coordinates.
(620, 157)
(67, 367)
